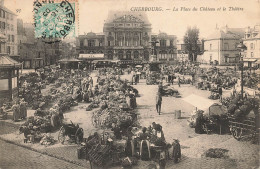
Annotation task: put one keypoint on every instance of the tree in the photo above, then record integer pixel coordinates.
(191, 39)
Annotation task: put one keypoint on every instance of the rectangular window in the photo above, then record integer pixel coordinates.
(8, 49)
(163, 43)
(108, 43)
(7, 26)
(91, 43)
(251, 46)
(226, 46)
(252, 54)
(12, 27)
(210, 47)
(81, 43)
(3, 14)
(12, 38)
(171, 42)
(226, 58)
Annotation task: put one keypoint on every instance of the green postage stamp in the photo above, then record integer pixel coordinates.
(54, 18)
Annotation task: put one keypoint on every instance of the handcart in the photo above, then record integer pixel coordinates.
(73, 131)
(247, 127)
(215, 119)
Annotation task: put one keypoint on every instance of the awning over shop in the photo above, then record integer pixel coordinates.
(258, 61)
(249, 60)
(91, 56)
(69, 60)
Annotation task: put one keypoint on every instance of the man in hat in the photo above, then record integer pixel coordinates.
(158, 102)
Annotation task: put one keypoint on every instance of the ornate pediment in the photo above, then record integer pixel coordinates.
(128, 18)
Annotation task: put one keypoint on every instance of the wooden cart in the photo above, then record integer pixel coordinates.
(244, 128)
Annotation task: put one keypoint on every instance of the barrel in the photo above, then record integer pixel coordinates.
(177, 114)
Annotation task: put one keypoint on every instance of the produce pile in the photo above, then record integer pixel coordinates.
(252, 81)
(240, 108)
(111, 92)
(50, 106)
(30, 89)
(111, 98)
(47, 140)
(35, 126)
(153, 78)
(225, 78)
(168, 90)
(214, 96)
(216, 153)
(114, 115)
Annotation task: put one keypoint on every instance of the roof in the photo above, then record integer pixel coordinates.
(6, 61)
(112, 15)
(227, 33)
(7, 10)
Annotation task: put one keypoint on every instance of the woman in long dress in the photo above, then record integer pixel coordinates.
(23, 109)
(16, 111)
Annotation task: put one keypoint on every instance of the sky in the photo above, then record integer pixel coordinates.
(93, 13)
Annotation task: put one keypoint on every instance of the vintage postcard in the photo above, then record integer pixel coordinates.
(141, 84)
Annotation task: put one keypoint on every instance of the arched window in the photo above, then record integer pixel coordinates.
(146, 55)
(128, 55)
(136, 54)
(110, 55)
(120, 54)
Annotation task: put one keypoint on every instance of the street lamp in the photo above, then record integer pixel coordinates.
(153, 43)
(241, 47)
(182, 56)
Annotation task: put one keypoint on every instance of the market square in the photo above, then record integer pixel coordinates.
(129, 96)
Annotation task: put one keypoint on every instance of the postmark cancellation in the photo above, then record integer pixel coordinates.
(55, 18)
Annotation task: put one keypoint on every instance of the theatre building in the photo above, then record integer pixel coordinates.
(126, 36)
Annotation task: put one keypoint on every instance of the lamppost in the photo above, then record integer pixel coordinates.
(153, 43)
(182, 56)
(241, 47)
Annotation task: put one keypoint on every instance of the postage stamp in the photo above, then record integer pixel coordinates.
(55, 18)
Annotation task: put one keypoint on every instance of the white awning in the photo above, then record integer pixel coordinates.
(199, 102)
(91, 56)
(249, 60)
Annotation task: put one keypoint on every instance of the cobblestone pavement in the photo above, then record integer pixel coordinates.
(15, 157)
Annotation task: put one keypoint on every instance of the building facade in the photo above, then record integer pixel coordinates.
(36, 52)
(166, 48)
(221, 46)
(127, 36)
(252, 42)
(8, 31)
